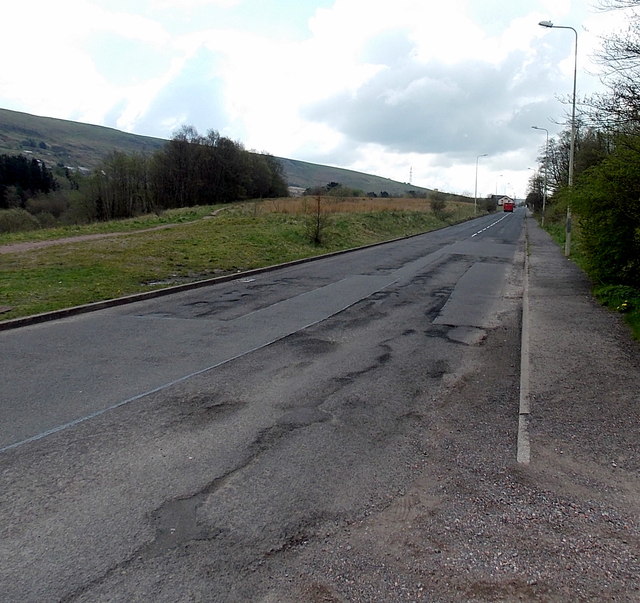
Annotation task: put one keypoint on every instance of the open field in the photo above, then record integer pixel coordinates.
(197, 245)
(337, 205)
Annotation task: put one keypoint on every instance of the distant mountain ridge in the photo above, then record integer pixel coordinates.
(84, 146)
(307, 175)
(71, 143)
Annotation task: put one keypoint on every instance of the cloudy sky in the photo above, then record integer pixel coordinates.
(406, 89)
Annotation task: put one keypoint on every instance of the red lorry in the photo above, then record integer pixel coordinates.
(507, 205)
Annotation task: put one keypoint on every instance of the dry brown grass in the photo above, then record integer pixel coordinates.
(337, 205)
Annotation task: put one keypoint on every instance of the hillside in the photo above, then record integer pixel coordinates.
(306, 175)
(68, 142)
(79, 145)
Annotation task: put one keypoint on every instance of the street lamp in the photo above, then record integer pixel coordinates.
(475, 197)
(567, 245)
(546, 166)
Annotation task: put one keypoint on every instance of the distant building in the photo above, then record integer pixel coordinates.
(500, 199)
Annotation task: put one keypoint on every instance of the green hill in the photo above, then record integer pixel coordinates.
(79, 145)
(306, 175)
(70, 143)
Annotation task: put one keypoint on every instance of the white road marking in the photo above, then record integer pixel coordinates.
(488, 227)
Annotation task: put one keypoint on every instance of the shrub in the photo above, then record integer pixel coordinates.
(54, 204)
(17, 220)
(46, 220)
(490, 205)
(607, 201)
(81, 210)
(438, 207)
(316, 222)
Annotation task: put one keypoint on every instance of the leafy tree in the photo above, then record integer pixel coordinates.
(343, 191)
(174, 181)
(490, 205)
(535, 197)
(28, 177)
(607, 200)
(607, 192)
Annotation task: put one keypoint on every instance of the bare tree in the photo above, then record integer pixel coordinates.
(317, 222)
(619, 108)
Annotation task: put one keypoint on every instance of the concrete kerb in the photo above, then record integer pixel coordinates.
(135, 297)
(523, 454)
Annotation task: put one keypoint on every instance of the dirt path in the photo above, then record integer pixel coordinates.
(31, 245)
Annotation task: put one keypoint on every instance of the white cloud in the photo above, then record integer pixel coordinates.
(369, 84)
(191, 4)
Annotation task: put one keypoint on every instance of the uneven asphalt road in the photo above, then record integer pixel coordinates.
(67, 370)
(342, 430)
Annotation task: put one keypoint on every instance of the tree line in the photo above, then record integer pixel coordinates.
(189, 170)
(21, 178)
(605, 195)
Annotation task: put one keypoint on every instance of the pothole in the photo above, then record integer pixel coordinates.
(467, 335)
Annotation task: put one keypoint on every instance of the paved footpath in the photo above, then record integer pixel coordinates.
(584, 366)
(584, 421)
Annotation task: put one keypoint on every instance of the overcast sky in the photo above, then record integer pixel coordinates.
(398, 88)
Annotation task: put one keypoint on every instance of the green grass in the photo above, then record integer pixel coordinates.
(171, 216)
(70, 274)
(625, 300)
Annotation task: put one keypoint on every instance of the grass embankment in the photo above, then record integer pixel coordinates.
(618, 298)
(177, 216)
(241, 237)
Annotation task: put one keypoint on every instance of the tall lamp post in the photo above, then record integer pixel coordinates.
(567, 244)
(475, 197)
(546, 166)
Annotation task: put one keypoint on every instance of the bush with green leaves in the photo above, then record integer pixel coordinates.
(490, 205)
(17, 220)
(607, 201)
(439, 208)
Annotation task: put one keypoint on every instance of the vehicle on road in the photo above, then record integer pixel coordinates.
(507, 205)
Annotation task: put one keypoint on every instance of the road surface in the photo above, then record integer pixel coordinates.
(209, 444)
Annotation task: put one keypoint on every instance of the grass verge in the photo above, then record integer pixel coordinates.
(625, 300)
(172, 216)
